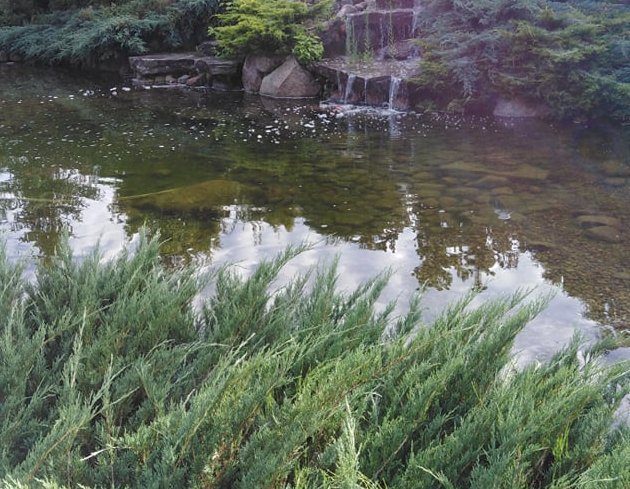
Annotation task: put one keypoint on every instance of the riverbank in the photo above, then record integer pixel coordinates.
(400, 54)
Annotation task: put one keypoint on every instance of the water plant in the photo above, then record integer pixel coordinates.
(110, 377)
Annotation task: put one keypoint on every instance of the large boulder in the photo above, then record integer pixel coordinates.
(256, 67)
(290, 80)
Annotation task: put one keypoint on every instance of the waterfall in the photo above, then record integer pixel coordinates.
(414, 25)
(394, 86)
(349, 85)
(350, 45)
(365, 91)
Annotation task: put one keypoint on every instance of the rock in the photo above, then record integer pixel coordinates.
(290, 80)
(174, 64)
(256, 67)
(590, 221)
(401, 50)
(4, 57)
(539, 245)
(373, 30)
(614, 181)
(183, 79)
(195, 81)
(15, 58)
(394, 4)
(502, 191)
(621, 275)
(170, 79)
(346, 10)
(607, 234)
(519, 108)
(614, 168)
(201, 197)
(491, 181)
(333, 36)
(215, 66)
(208, 48)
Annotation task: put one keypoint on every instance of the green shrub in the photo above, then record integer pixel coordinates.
(92, 35)
(110, 378)
(270, 26)
(573, 56)
(308, 48)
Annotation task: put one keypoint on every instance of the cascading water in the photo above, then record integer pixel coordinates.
(414, 24)
(349, 86)
(394, 87)
(350, 42)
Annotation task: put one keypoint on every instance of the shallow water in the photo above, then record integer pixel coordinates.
(447, 203)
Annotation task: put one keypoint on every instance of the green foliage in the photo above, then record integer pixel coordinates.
(573, 56)
(308, 48)
(110, 378)
(270, 26)
(94, 34)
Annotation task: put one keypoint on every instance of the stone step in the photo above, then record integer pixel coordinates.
(169, 68)
(175, 64)
(378, 84)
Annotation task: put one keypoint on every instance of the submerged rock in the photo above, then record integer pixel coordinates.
(607, 234)
(203, 196)
(290, 80)
(591, 221)
(614, 181)
(256, 67)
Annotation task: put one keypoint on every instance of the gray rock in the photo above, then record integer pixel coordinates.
(614, 168)
(394, 4)
(346, 10)
(614, 181)
(401, 50)
(183, 79)
(15, 58)
(207, 48)
(333, 36)
(290, 80)
(170, 79)
(256, 67)
(519, 108)
(4, 57)
(195, 81)
(607, 234)
(162, 64)
(592, 220)
(213, 66)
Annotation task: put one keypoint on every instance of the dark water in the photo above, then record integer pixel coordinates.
(447, 203)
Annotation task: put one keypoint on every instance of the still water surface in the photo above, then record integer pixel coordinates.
(447, 203)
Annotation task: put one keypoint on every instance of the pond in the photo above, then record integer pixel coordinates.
(446, 203)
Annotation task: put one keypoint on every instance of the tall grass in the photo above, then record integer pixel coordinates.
(110, 378)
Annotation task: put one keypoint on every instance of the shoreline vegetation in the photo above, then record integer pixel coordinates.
(571, 57)
(109, 377)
